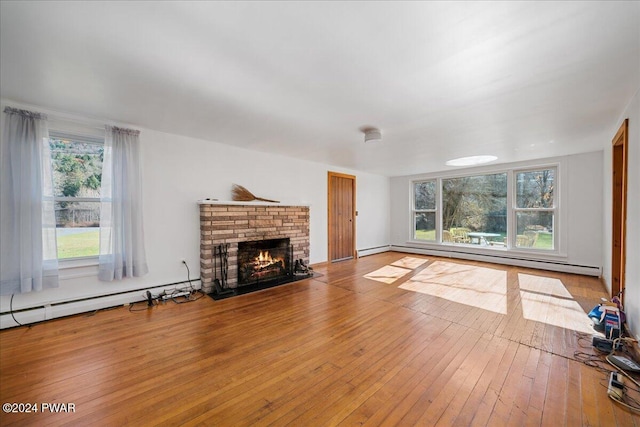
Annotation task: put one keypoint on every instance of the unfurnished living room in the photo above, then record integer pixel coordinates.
(320, 213)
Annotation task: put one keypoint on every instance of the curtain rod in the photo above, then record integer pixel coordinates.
(60, 116)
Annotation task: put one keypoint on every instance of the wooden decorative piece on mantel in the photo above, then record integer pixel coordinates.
(241, 194)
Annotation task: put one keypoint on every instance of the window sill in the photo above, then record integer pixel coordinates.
(77, 262)
(78, 267)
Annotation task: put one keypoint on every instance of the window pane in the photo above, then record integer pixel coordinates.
(534, 230)
(425, 226)
(77, 229)
(476, 205)
(425, 195)
(534, 189)
(77, 168)
(77, 173)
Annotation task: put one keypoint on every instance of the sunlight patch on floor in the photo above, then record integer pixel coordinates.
(547, 300)
(387, 274)
(394, 271)
(409, 262)
(480, 287)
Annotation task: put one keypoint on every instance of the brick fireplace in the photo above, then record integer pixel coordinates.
(230, 223)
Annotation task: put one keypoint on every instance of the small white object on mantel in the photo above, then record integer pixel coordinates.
(252, 203)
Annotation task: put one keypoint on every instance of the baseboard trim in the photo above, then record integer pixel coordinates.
(372, 251)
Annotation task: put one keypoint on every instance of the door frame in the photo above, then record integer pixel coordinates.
(619, 171)
(330, 175)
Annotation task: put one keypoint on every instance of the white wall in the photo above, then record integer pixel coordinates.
(580, 198)
(178, 171)
(632, 267)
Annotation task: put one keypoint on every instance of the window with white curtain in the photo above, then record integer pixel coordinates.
(122, 251)
(28, 260)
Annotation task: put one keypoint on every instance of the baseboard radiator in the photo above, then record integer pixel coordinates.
(53, 310)
(496, 259)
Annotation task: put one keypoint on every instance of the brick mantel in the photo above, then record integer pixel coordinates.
(233, 222)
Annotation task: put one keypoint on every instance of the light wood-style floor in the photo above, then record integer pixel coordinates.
(389, 339)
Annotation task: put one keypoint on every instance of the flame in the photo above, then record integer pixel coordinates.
(264, 256)
(265, 259)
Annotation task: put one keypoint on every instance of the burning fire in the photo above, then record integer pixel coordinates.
(264, 259)
(261, 264)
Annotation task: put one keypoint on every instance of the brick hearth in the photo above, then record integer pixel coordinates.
(233, 222)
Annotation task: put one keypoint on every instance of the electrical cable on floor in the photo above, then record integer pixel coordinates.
(177, 295)
(581, 358)
(626, 401)
(595, 361)
(599, 362)
(592, 361)
(154, 303)
(584, 338)
(194, 291)
(99, 310)
(623, 372)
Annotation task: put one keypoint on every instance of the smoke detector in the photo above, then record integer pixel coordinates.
(372, 134)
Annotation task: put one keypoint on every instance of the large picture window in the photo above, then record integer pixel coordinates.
(478, 210)
(474, 209)
(77, 176)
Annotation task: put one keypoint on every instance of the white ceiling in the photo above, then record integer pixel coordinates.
(518, 80)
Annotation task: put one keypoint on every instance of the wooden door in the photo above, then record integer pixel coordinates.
(342, 208)
(619, 209)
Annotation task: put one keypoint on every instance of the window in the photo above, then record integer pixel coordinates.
(535, 208)
(513, 209)
(474, 209)
(424, 210)
(77, 176)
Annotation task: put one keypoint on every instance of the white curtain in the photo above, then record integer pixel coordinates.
(28, 254)
(122, 251)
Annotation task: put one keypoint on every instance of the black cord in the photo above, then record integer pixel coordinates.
(188, 274)
(593, 361)
(190, 297)
(584, 338)
(146, 307)
(626, 400)
(11, 311)
(192, 292)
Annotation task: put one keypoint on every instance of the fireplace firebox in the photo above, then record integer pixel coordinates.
(264, 261)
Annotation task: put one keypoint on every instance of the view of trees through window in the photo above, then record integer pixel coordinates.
(535, 208)
(77, 174)
(474, 209)
(425, 210)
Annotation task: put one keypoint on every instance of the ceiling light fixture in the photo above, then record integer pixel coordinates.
(470, 161)
(372, 134)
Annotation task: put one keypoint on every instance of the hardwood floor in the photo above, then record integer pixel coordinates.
(460, 343)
